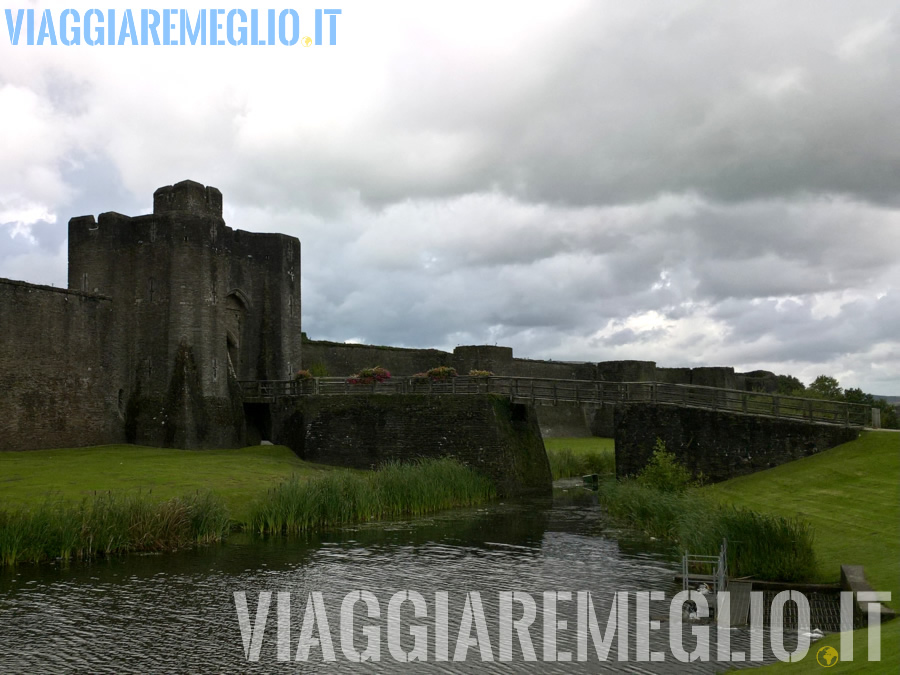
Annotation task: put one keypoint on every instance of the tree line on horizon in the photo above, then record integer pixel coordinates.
(827, 388)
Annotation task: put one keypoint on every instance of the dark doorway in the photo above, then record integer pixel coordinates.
(259, 422)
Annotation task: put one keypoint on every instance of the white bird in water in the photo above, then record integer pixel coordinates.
(815, 634)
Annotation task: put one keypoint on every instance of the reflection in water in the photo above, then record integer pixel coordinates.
(176, 612)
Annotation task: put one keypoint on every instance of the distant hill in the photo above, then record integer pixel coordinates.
(893, 400)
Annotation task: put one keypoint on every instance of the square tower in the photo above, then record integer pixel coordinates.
(198, 307)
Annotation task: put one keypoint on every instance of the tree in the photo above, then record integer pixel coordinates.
(789, 385)
(889, 417)
(859, 396)
(826, 387)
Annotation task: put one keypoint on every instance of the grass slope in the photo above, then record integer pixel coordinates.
(579, 456)
(237, 476)
(851, 496)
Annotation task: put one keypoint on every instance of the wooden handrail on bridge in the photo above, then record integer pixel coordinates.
(544, 390)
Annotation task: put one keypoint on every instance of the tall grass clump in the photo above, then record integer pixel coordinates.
(663, 502)
(108, 524)
(566, 462)
(656, 512)
(761, 545)
(342, 497)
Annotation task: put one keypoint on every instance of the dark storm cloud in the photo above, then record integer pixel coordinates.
(732, 101)
(687, 182)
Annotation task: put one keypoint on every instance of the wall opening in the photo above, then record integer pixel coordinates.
(235, 340)
(259, 422)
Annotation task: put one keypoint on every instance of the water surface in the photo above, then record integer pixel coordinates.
(176, 612)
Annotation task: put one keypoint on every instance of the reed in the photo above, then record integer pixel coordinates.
(109, 524)
(760, 545)
(342, 497)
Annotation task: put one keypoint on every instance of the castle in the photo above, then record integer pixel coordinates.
(164, 314)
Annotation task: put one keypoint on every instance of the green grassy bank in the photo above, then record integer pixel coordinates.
(80, 503)
(851, 496)
(237, 477)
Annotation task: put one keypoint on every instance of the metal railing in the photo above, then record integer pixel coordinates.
(706, 568)
(542, 390)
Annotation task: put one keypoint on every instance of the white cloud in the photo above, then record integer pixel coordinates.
(687, 182)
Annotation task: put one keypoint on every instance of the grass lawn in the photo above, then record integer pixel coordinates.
(579, 456)
(237, 476)
(851, 495)
(888, 665)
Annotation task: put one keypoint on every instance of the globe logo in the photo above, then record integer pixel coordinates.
(827, 657)
(306, 41)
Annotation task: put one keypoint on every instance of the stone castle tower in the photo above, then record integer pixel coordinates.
(197, 307)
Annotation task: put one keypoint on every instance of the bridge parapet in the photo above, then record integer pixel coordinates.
(543, 391)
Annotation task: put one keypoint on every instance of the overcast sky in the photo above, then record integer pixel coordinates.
(693, 183)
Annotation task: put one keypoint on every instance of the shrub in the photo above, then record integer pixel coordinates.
(664, 473)
(318, 369)
(480, 373)
(441, 373)
(303, 375)
(370, 376)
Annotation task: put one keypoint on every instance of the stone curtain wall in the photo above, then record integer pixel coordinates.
(488, 433)
(721, 445)
(340, 359)
(59, 375)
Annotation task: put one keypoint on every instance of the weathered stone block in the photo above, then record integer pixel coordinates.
(720, 445)
(486, 432)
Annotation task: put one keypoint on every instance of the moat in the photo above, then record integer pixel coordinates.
(176, 612)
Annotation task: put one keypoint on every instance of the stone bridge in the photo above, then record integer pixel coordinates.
(494, 422)
(541, 391)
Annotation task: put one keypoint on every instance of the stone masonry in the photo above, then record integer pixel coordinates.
(163, 315)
